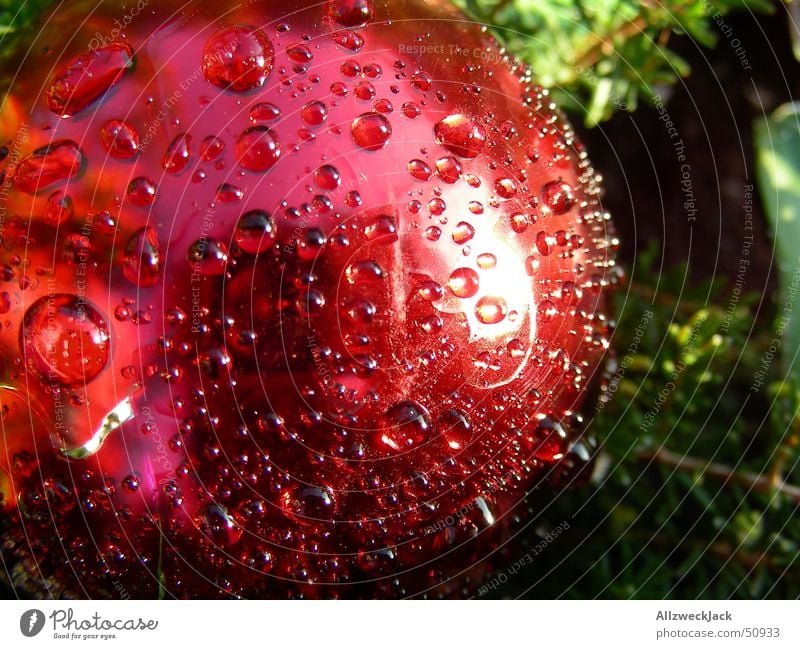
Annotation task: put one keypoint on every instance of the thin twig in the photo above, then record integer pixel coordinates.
(761, 483)
(603, 44)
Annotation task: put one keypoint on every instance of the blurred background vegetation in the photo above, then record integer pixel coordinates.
(695, 487)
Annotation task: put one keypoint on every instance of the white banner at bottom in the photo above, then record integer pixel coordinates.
(399, 625)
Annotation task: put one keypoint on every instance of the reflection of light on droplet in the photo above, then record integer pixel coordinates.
(491, 309)
(500, 278)
(121, 413)
(493, 266)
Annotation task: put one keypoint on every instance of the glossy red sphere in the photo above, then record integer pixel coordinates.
(302, 300)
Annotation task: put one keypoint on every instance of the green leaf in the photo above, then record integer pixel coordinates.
(777, 143)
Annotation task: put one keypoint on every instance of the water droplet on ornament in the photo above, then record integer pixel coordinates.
(258, 149)
(448, 169)
(65, 339)
(179, 154)
(119, 139)
(382, 230)
(419, 170)
(208, 257)
(460, 135)
(264, 112)
(407, 424)
(463, 282)
(49, 165)
(371, 131)
(327, 177)
(455, 426)
(491, 310)
(141, 192)
(505, 188)
(411, 110)
(142, 260)
(238, 58)
(88, 77)
(463, 232)
(60, 209)
(351, 13)
(211, 148)
(255, 232)
(314, 113)
(558, 196)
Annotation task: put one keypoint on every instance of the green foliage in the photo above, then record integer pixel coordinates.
(600, 56)
(16, 14)
(693, 495)
(777, 142)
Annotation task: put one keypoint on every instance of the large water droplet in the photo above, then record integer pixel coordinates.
(238, 58)
(87, 78)
(228, 193)
(455, 426)
(49, 165)
(359, 311)
(208, 257)
(519, 222)
(411, 110)
(77, 249)
(371, 131)
(179, 154)
(487, 261)
(463, 232)
(546, 310)
(299, 54)
(505, 188)
(350, 69)
(142, 261)
(258, 148)
(382, 230)
(310, 503)
(361, 272)
(407, 424)
(255, 232)
(314, 113)
(544, 243)
(60, 208)
(119, 139)
(429, 290)
(218, 525)
(421, 81)
(364, 90)
(264, 112)
(327, 177)
(419, 170)
(463, 282)
(211, 148)
(548, 441)
(349, 40)
(558, 196)
(491, 310)
(141, 191)
(460, 135)
(64, 339)
(449, 169)
(433, 233)
(351, 13)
